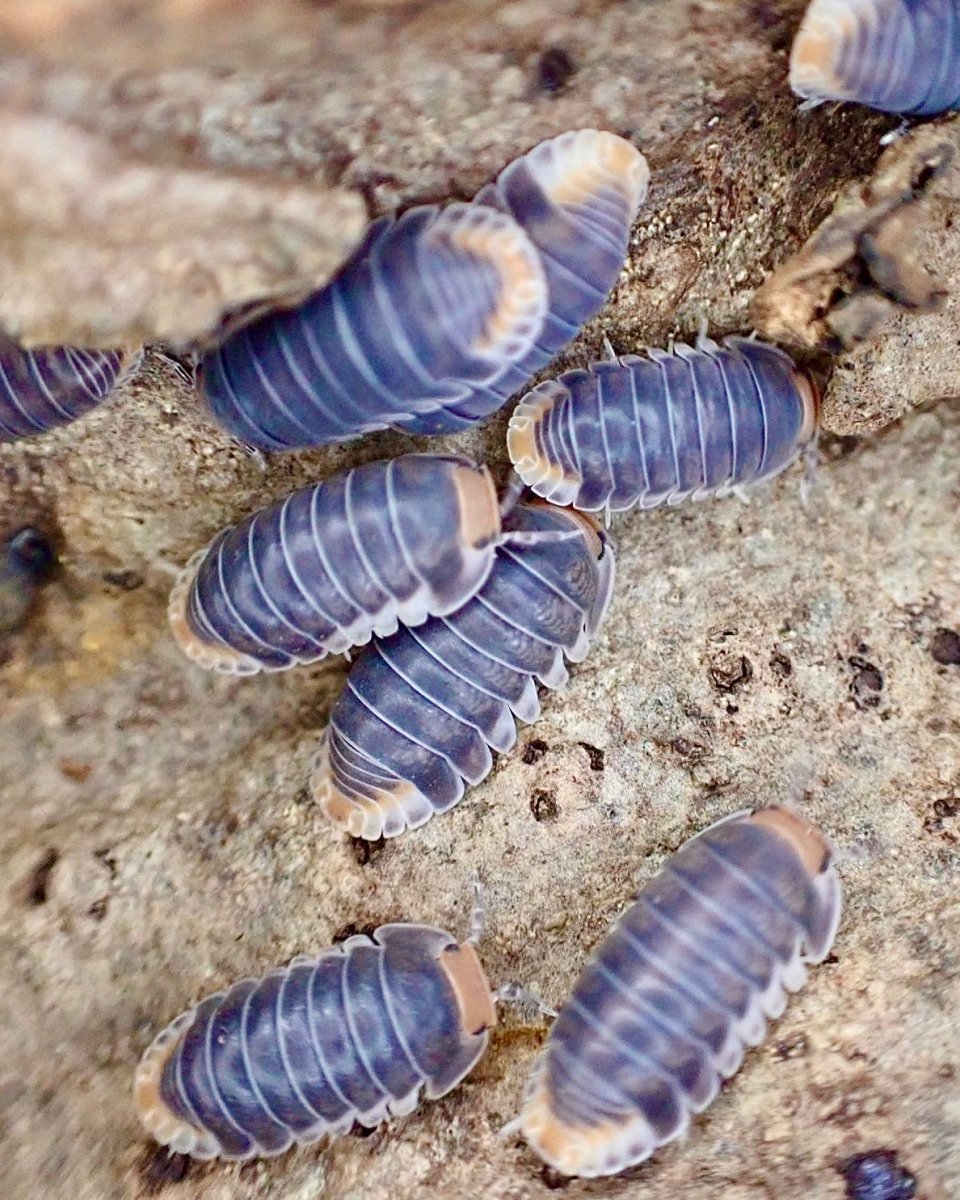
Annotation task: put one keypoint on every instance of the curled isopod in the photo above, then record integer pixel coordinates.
(422, 710)
(332, 564)
(693, 422)
(351, 1035)
(878, 1175)
(684, 982)
(429, 304)
(576, 196)
(42, 389)
(899, 56)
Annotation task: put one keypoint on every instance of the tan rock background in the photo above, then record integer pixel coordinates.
(156, 837)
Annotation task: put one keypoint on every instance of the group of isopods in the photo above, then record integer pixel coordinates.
(465, 601)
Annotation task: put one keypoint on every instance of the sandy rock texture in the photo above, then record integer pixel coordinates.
(156, 836)
(872, 285)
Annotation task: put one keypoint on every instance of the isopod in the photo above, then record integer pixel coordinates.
(351, 1035)
(898, 56)
(649, 431)
(42, 389)
(576, 196)
(429, 305)
(423, 709)
(332, 564)
(684, 982)
(442, 314)
(878, 1175)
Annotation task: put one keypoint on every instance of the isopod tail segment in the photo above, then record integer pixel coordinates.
(685, 981)
(897, 56)
(356, 1034)
(430, 305)
(423, 712)
(687, 423)
(576, 196)
(391, 542)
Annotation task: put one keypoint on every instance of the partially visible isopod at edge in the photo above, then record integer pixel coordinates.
(898, 56)
(422, 711)
(692, 422)
(429, 305)
(576, 196)
(45, 388)
(685, 981)
(356, 1034)
(333, 564)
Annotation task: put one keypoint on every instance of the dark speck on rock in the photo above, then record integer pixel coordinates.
(595, 754)
(533, 751)
(555, 68)
(126, 581)
(544, 806)
(945, 647)
(728, 673)
(552, 1179)
(33, 890)
(366, 851)
(866, 684)
(159, 1168)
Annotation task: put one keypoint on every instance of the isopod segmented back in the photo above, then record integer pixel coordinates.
(441, 314)
(694, 422)
(45, 388)
(331, 565)
(423, 710)
(685, 981)
(428, 305)
(353, 1035)
(899, 56)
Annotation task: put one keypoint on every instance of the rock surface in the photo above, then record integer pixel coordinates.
(154, 828)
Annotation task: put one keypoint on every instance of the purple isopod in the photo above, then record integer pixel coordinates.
(42, 389)
(684, 982)
(576, 196)
(422, 710)
(899, 56)
(428, 305)
(688, 423)
(351, 1035)
(440, 315)
(332, 564)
